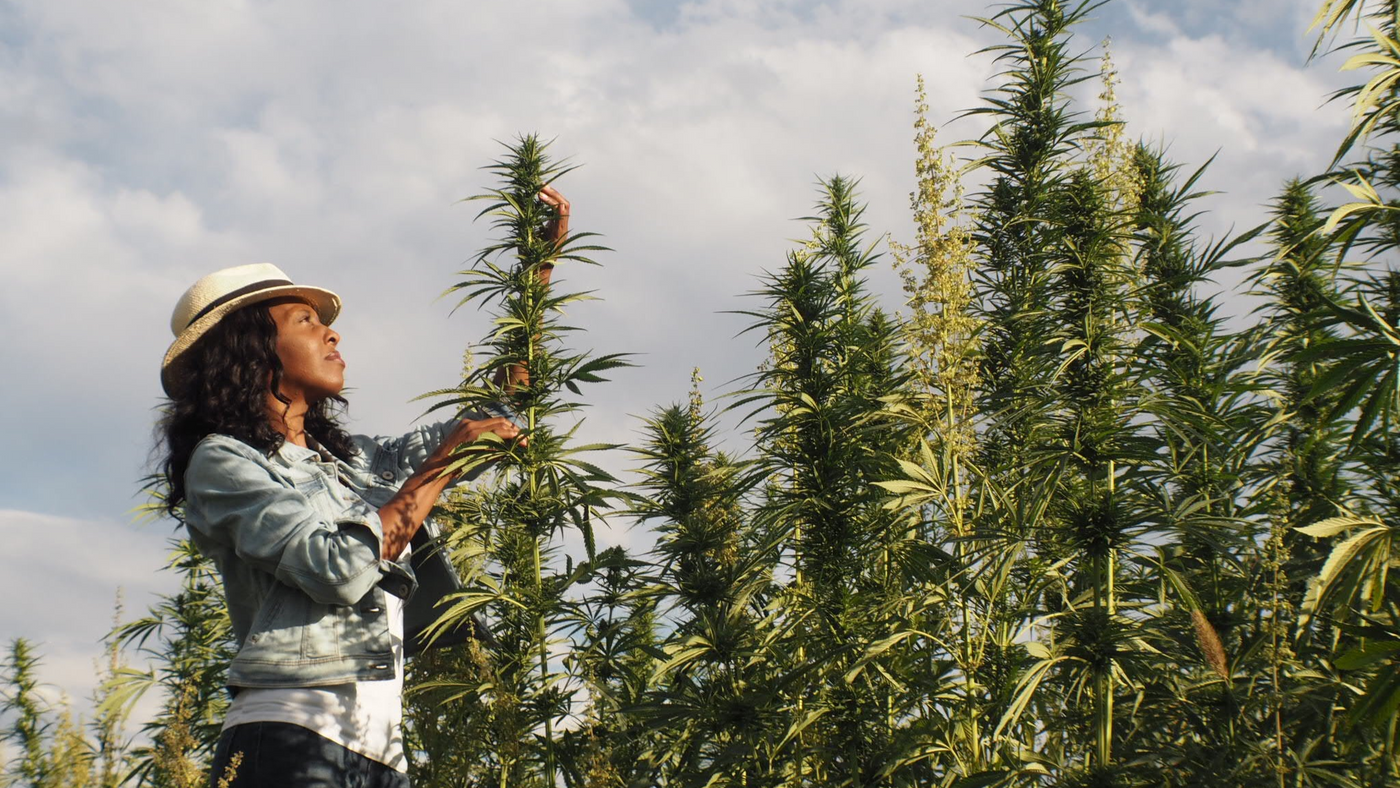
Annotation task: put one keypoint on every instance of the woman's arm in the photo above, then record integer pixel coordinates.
(405, 512)
(402, 516)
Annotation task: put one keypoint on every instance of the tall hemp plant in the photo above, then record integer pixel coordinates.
(1201, 722)
(1007, 548)
(539, 485)
(967, 631)
(716, 700)
(823, 442)
(1047, 293)
(1033, 134)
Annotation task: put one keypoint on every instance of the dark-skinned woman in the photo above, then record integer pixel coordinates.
(313, 530)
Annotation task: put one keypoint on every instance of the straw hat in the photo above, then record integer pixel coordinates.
(219, 293)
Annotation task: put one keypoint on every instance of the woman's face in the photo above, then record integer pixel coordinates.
(312, 368)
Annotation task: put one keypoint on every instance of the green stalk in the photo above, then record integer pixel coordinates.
(542, 636)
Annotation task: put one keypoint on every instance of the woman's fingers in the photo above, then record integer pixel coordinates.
(505, 429)
(551, 196)
(501, 426)
(471, 430)
(559, 225)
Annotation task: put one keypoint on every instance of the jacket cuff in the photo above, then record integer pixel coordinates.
(396, 579)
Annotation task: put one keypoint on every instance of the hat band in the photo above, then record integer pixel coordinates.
(239, 293)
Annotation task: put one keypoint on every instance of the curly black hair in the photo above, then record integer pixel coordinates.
(227, 375)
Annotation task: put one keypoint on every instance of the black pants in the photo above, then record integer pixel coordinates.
(282, 755)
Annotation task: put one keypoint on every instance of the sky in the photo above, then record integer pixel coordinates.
(144, 144)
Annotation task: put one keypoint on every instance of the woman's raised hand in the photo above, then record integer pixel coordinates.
(558, 228)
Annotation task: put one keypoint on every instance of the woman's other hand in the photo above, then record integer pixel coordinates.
(405, 512)
(471, 430)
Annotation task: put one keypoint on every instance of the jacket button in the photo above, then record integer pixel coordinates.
(387, 476)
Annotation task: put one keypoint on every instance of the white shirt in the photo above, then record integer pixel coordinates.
(365, 717)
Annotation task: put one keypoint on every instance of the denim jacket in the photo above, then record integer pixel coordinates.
(296, 537)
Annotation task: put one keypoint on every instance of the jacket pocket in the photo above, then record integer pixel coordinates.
(322, 628)
(271, 633)
(291, 627)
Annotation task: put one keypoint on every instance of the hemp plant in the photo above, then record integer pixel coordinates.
(716, 696)
(189, 639)
(1344, 366)
(961, 620)
(824, 439)
(539, 485)
(1017, 242)
(1204, 411)
(1057, 295)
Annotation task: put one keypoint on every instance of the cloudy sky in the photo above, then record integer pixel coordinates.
(146, 143)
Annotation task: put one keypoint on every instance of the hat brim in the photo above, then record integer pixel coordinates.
(326, 304)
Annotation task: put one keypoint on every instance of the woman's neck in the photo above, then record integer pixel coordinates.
(288, 419)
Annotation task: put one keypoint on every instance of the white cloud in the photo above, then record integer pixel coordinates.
(92, 269)
(61, 577)
(1212, 96)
